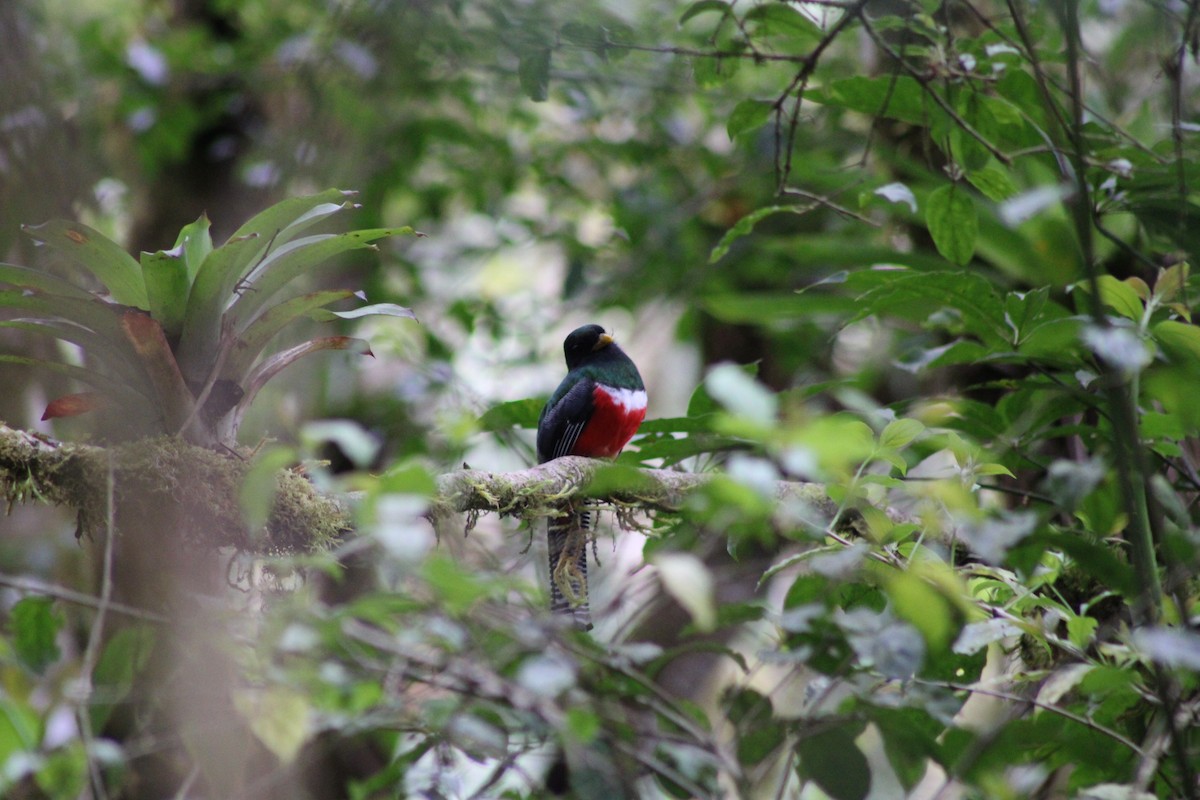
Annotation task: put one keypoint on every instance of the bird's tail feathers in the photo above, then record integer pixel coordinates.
(567, 538)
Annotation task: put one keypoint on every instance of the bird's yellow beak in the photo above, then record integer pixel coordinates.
(604, 341)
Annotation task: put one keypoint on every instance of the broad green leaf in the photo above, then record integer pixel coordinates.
(900, 433)
(533, 70)
(518, 413)
(704, 7)
(955, 299)
(1118, 295)
(1180, 341)
(994, 182)
(711, 72)
(35, 623)
(123, 657)
(741, 394)
(99, 255)
(166, 276)
(280, 717)
(922, 605)
(260, 485)
(747, 116)
(746, 224)
(20, 728)
(782, 20)
(895, 97)
(953, 223)
(195, 242)
(831, 759)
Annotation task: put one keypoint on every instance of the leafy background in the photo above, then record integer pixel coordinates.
(946, 246)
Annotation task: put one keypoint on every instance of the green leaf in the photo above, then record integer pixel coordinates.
(519, 413)
(166, 279)
(704, 7)
(746, 224)
(781, 19)
(122, 658)
(195, 242)
(99, 255)
(1119, 296)
(747, 116)
(266, 325)
(583, 725)
(910, 741)
(283, 265)
(1180, 341)
(953, 299)
(118, 390)
(831, 759)
(994, 182)
(210, 294)
(272, 366)
(35, 624)
(900, 433)
(279, 716)
(896, 97)
(45, 281)
(534, 73)
(286, 219)
(953, 223)
(175, 402)
(260, 485)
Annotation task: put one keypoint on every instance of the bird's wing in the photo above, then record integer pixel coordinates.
(563, 420)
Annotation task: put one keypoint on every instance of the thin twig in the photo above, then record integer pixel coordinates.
(92, 653)
(1062, 712)
(940, 101)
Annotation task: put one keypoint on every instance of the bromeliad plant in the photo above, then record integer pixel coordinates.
(180, 344)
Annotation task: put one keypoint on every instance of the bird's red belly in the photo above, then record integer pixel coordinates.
(614, 421)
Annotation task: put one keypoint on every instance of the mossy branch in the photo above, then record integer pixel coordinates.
(204, 485)
(200, 486)
(539, 491)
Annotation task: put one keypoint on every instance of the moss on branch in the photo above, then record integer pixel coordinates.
(202, 486)
(149, 476)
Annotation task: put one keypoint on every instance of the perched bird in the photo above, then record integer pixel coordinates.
(594, 412)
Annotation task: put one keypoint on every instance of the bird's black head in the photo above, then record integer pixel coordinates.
(584, 341)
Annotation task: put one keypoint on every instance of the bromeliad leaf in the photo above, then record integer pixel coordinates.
(72, 405)
(376, 310)
(296, 258)
(98, 254)
(175, 401)
(195, 243)
(275, 364)
(258, 333)
(166, 276)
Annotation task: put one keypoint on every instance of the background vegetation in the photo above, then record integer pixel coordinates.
(932, 256)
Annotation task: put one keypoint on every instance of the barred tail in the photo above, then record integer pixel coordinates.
(567, 540)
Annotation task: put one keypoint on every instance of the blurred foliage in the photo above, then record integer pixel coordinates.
(950, 240)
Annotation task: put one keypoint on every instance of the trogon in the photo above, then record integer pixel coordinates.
(594, 412)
